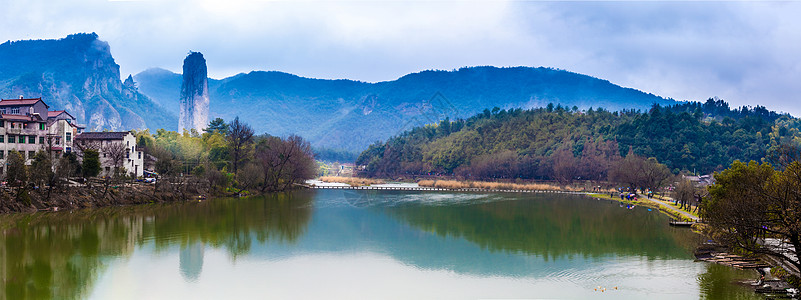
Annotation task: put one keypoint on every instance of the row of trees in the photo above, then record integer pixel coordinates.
(231, 157)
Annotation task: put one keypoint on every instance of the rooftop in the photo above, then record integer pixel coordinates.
(102, 135)
(9, 102)
(54, 113)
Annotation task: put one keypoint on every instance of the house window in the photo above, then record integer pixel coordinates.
(139, 154)
(22, 139)
(2, 123)
(41, 126)
(15, 110)
(104, 155)
(32, 139)
(69, 136)
(41, 140)
(11, 139)
(31, 154)
(2, 138)
(108, 169)
(12, 124)
(2, 154)
(58, 140)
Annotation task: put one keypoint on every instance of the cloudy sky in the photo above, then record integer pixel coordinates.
(748, 53)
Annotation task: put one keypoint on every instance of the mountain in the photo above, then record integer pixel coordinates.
(347, 114)
(78, 73)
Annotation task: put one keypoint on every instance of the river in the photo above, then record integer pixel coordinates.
(360, 244)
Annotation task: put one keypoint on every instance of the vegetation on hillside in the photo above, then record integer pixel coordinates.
(565, 144)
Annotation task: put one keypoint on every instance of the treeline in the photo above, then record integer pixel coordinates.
(561, 143)
(231, 157)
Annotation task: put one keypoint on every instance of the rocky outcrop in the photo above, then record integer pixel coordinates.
(78, 74)
(194, 102)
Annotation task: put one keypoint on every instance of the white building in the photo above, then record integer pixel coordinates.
(61, 131)
(108, 145)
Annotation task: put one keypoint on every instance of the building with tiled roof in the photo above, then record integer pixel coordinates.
(24, 106)
(106, 143)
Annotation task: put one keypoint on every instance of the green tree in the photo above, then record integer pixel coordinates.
(41, 169)
(756, 208)
(17, 173)
(217, 125)
(91, 163)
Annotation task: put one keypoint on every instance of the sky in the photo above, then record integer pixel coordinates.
(744, 52)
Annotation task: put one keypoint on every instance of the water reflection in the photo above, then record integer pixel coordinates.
(191, 261)
(60, 255)
(553, 227)
(529, 242)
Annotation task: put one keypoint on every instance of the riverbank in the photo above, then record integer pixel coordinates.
(94, 194)
(674, 212)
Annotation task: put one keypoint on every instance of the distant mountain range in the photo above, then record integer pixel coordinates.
(347, 114)
(78, 73)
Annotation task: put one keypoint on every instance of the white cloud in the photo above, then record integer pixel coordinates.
(744, 52)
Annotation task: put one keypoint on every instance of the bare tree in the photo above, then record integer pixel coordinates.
(116, 153)
(684, 192)
(565, 165)
(284, 162)
(239, 137)
(639, 172)
(82, 145)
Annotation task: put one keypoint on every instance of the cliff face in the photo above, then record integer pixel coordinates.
(78, 74)
(194, 101)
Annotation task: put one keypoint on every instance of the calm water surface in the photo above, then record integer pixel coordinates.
(346, 244)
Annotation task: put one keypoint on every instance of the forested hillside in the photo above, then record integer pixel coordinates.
(565, 143)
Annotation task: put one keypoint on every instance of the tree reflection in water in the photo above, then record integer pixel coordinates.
(59, 255)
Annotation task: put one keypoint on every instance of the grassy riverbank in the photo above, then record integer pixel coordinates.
(645, 203)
